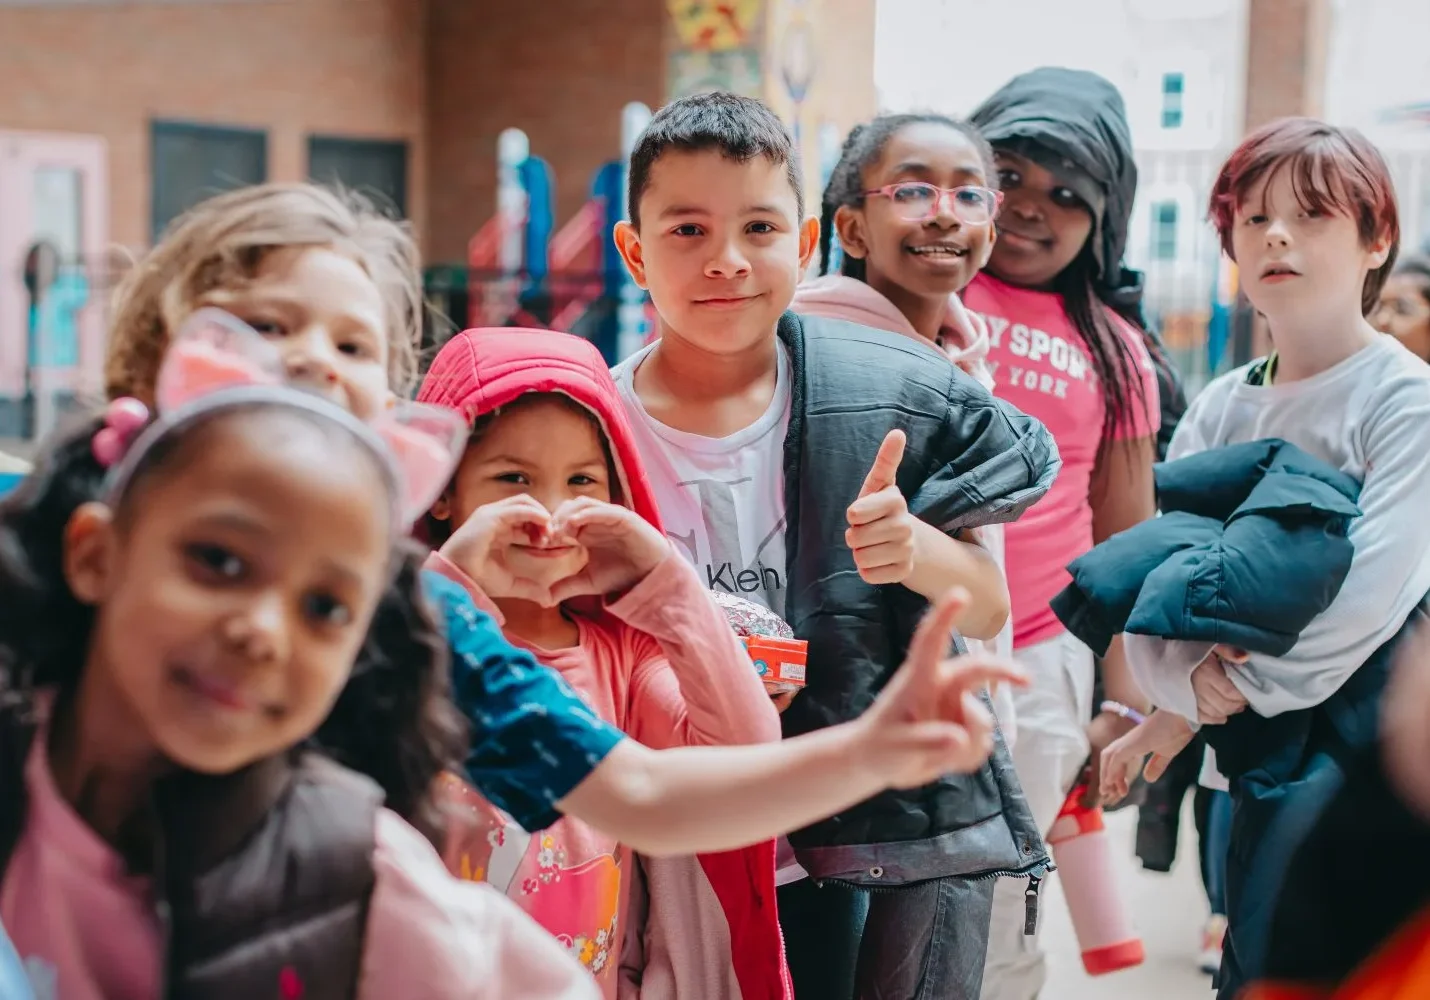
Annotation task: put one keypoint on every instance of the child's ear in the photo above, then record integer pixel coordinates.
(441, 509)
(1380, 251)
(808, 241)
(628, 242)
(849, 227)
(89, 552)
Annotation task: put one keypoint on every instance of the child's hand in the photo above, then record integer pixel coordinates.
(622, 547)
(1218, 699)
(479, 546)
(1164, 735)
(781, 699)
(881, 529)
(928, 720)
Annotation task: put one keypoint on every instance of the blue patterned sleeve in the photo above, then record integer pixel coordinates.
(533, 738)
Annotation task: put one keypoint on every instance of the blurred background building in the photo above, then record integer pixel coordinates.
(116, 115)
(498, 129)
(1196, 75)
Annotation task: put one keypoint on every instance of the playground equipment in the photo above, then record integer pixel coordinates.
(523, 271)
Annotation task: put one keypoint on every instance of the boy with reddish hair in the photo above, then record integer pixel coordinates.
(1308, 212)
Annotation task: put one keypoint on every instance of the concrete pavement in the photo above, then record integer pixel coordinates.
(1169, 909)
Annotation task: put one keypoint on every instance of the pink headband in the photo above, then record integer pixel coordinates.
(218, 362)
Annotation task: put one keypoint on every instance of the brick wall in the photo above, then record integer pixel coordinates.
(351, 68)
(1286, 43)
(1285, 59)
(560, 72)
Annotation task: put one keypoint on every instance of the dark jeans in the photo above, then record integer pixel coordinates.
(925, 941)
(1216, 835)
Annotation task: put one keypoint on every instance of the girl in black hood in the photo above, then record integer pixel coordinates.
(1068, 345)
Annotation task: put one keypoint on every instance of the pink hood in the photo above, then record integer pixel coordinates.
(965, 336)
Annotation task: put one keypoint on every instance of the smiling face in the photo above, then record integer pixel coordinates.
(234, 587)
(720, 247)
(926, 258)
(1296, 261)
(1043, 225)
(544, 446)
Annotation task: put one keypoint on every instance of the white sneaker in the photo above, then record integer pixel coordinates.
(1209, 958)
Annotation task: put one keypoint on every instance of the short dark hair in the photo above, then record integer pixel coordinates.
(1334, 170)
(739, 128)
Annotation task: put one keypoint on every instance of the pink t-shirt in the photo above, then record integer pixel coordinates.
(663, 665)
(86, 930)
(1040, 365)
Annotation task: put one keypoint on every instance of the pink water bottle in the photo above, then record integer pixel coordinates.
(1085, 863)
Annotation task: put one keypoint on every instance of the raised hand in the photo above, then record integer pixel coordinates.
(621, 546)
(929, 720)
(480, 545)
(881, 529)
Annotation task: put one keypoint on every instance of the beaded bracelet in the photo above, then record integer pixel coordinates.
(1131, 714)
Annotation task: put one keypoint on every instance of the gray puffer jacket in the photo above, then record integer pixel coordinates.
(971, 460)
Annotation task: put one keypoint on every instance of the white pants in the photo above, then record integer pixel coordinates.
(1052, 713)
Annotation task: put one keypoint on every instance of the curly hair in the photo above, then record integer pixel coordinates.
(393, 720)
(863, 146)
(222, 243)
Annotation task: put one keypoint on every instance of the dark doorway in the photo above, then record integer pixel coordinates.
(373, 168)
(193, 162)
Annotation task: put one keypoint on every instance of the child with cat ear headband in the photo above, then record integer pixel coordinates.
(190, 603)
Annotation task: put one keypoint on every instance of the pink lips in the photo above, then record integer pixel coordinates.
(545, 551)
(215, 689)
(733, 302)
(1277, 276)
(1020, 240)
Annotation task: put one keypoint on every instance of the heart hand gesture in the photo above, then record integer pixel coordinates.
(480, 547)
(622, 547)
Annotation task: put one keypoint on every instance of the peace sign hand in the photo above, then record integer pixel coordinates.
(881, 529)
(929, 720)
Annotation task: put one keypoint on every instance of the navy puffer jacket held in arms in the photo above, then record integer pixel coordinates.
(1252, 545)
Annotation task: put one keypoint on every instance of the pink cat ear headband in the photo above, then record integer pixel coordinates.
(218, 362)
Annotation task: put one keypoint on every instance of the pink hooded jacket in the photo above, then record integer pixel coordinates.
(663, 664)
(964, 336)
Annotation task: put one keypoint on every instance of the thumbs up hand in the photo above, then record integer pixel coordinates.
(881, 529)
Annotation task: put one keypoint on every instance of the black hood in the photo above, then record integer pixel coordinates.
(1079, 117)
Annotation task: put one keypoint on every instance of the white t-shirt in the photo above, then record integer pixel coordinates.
(723, 504)
(722, 499)
(1368, 416)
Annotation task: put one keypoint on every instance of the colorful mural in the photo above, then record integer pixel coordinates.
(709, 26)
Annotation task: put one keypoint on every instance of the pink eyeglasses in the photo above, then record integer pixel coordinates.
(916, 201)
